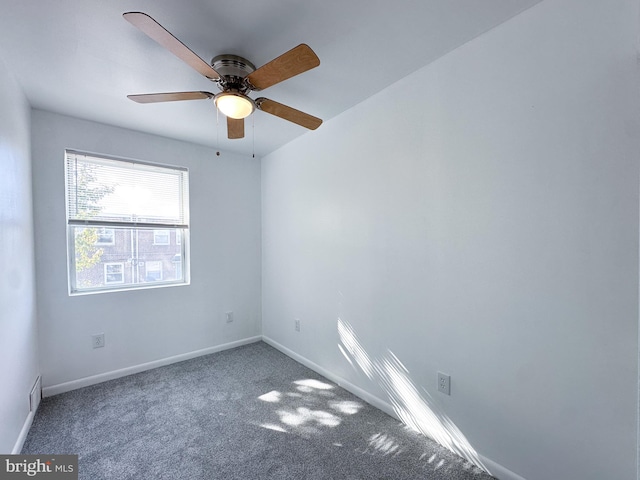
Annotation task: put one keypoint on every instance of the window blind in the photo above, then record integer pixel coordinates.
(115, 192)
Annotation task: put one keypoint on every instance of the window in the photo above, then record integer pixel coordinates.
(177, 263)
(121, 216)
(161, 237)
(153, 271)
(105, 236)
(113, 273)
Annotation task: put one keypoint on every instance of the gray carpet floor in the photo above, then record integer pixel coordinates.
(246, 413)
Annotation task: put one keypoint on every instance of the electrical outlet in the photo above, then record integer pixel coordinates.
(97, 340)
(297, 324)
(444, 383)
(229, 317)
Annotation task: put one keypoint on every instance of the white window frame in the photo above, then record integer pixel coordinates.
(106, 274)
(177, 220)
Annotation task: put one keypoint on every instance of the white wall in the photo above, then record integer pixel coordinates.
(143, 326)
(18, 329)
(480, 218)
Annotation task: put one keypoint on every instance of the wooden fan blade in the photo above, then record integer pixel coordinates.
(235, 128)
(169, 97)
(157, 32)
(289, 64)
(288, 113)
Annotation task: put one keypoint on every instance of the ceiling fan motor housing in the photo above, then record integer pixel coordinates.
(233, 69)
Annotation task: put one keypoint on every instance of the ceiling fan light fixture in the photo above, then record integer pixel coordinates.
(234, 105)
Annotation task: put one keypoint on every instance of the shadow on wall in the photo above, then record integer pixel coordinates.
(416, 409)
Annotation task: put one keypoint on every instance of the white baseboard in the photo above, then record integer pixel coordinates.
(34, 402)
(495, 469)
(123, 372)
(499, 471)
(17, 448)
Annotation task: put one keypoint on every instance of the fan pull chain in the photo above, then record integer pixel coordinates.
(253, 136)
(217, 131)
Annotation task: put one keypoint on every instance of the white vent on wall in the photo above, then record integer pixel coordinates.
(35, 395)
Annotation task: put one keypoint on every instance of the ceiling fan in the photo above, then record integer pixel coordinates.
(235, 76)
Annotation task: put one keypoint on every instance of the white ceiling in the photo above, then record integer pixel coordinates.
(81, 58)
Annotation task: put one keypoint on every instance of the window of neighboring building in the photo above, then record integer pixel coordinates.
(153, 271)
(177, 263)
(113, 273)
(106, 236)
(161, 237)
(128, 206)
(178, 237)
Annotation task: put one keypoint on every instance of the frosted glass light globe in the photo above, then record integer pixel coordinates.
(234, 105)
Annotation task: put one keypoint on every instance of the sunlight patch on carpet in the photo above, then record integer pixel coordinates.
(275, 428)
(311, 383)
(272, 397)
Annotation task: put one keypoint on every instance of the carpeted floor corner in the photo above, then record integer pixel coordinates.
(247, 413)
